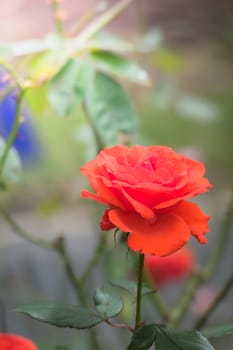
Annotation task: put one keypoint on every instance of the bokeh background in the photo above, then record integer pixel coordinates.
(188, 51)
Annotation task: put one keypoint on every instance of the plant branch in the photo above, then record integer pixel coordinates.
(4, 93)
(199, 277)
(14, 130)
(3, 318)
(119, 325)
(99, 142)
(139, 290)
(57, 246)
(159, 303)
(55, 6)
(102, 21)
(13, 74)
(75, 282)
(62, 252)
(96, 256)
(187, 295)
(225, 231)
(161, 307)
(220, 296)
(23, 233)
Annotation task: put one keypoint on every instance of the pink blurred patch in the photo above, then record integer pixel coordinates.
(170, 269)
(203, 299)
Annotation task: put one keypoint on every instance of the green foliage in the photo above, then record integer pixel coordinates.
(31, 46)
(45, 64)
(109, 41)
(37, 100)
(143, 337)
(53, 347)
(167, 60)
(110, 109)
(199, 109)
(49, 207)
(167, 339)
(67, 87)
(107, 304)
(12, 167)
(218, 331)
(116, 64)
(131, 287)
(61, 314)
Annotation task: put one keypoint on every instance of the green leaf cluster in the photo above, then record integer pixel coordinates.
(131, 287)
(218, 331)
(110, 109)
(113, 63)
(67, 87)
(108, 305)
(12, 168)
(165, 338)
(61, 314)
(88, 81)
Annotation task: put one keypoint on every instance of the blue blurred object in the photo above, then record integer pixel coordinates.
(26, 142)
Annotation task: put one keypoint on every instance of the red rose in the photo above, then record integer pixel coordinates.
(168, 269)
(145, 190)
(15, 342)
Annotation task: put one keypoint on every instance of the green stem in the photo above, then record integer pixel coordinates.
(59, 247)
(161, 307)
(4, 93)
(99, 142)
(225, 231)
(102, 21)
(220, 296)
(93, 261)
(61, 250)
(75, 282)
(11, 71)
(187, 295)
(119, 325)
(24, 234)
(160, 304)
(198, 278)
(139, 290)
(55, 5)
(14, 130)
(3, 318)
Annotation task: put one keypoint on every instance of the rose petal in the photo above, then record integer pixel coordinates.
(150, 194)
(195, 219)
(163, 237)
(105, 223)
(104, 194)
(140, 208)
(15, 342)
(87, 194)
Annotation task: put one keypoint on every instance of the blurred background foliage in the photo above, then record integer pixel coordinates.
(187, 103)
(174, 60)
